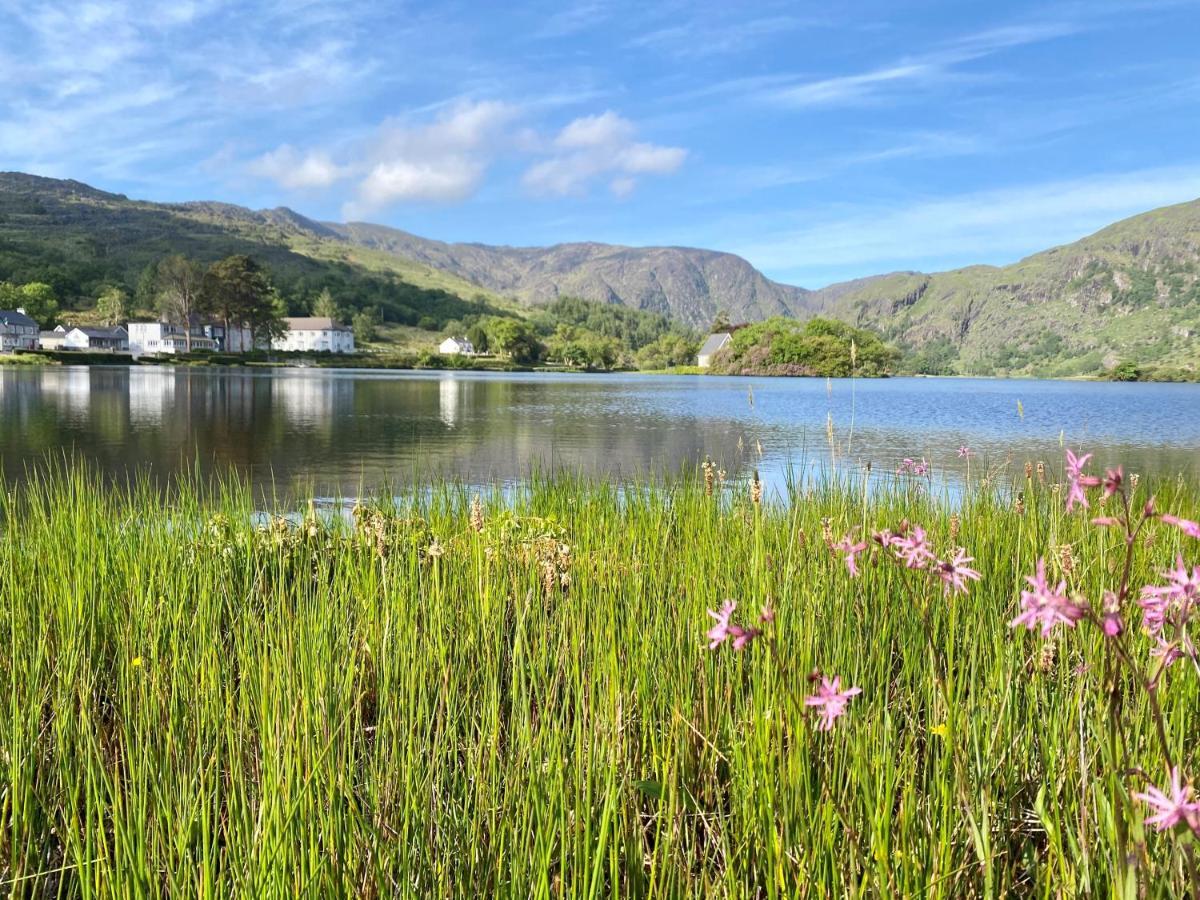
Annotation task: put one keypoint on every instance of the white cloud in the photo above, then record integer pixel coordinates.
(601, 145)
(442, 161)
(294, 170)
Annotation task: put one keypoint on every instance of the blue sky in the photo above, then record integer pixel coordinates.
(822, 141)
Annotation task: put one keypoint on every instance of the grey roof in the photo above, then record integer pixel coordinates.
(12, 317)
(715, 342)
(116, 332)
(314, 323)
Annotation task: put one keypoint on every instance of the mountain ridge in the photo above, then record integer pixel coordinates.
(1129, 292)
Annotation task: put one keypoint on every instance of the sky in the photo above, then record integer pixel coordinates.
(822, 141)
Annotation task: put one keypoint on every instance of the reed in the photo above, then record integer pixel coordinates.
(511, 695)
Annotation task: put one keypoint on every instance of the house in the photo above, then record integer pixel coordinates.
(53, 340)
(456, 346)
(166, 338)
(315, 334)
(17, 331)
(113, 340)
(714, 343)
(231, 339)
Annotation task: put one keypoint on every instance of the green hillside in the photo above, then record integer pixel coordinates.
(1127, 294)
(80, 240)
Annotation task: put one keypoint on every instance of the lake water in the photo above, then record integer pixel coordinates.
(341, 433)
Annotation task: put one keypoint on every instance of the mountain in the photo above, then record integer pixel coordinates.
(1130, 292)
(102, 238)
(80, 240)
(689, 285)
(1127, 294)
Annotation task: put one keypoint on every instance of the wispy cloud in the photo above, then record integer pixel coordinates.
(933, 68)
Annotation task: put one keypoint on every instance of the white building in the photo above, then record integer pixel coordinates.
(115, 340)
(53, 340)
(714, 343)
(456, 346)
(315, 334)
(17, 331)
(165, 338)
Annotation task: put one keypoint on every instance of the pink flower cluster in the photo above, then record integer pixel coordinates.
(909, 466)
(910, 544)
(725, 628)
(829, 700)
(1166, 611)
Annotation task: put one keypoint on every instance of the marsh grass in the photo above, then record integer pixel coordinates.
(407, 705)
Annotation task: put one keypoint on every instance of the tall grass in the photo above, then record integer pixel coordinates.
(409, 706)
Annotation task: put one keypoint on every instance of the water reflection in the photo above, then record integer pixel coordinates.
(342, 431)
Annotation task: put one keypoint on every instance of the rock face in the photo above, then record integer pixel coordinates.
(687, 284)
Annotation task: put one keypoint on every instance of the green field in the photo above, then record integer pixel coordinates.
(517, 699)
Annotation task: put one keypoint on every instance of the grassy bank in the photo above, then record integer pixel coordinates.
(515, 698)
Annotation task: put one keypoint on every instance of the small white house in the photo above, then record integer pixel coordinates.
(165, 338)
(113, 340)
(714, 343)
(456, 346)
(17, 331)
(53, 340)
(315, 334)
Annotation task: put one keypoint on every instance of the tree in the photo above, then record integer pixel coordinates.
(720, 323)
(238, 290)
(324, 306)
(180, 293)
(365, 325)
(36, 298)
(514, 339)
(113, 306)
(478, 337)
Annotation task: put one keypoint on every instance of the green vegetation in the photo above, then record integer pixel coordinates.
(515, 699)
(1130, 292)
(821, 347)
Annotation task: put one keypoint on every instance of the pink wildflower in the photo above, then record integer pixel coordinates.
(846, 545)
(1173, 600)
(1045, 605)
(742, 637)
(1188, 527)
(768, 615)
(1112, 481)
(1111, 620)
(719, 632)
(1078, 480)
(955, 572)
(1105, 521)
(912, 549)
(831, 701)
(1173, 808)
(964, 452)
(1169, 653)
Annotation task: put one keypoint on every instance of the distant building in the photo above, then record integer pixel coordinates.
(150, 338)
(114, 340)
(714, 343)
(456, 346)
(53, 340)
(17, 331)
(315, 334)
(234, 339)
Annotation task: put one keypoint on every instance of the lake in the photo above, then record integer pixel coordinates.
(346, 432)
